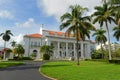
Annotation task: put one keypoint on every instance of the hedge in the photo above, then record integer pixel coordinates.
(114, 61)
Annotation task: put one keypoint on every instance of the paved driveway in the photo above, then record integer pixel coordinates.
(29, 71)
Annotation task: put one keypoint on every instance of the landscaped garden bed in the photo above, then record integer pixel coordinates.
(87, 70)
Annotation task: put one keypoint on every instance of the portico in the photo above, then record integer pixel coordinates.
(65, 49)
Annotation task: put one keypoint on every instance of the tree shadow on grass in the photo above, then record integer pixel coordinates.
(60, 65)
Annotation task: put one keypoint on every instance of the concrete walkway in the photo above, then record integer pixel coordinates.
(29, 71)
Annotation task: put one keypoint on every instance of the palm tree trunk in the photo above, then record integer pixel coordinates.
(83, 51)
(108, 42)
(4, 50)
(102, 51)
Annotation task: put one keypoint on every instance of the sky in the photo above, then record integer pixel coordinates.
(26, 16)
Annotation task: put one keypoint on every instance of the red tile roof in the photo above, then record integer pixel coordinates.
(52, 32)
(60, 33)
(55, 32)
(37, 35)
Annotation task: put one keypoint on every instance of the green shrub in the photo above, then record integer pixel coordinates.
(22, 58)
(33, 55)
(46, 57)
(26, 58)
(97, 60)
(114, 61)
(0, 58)
(97, 56)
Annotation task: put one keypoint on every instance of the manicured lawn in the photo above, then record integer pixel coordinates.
(8, 64)
(88, 70)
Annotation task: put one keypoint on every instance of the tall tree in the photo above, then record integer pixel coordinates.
(19, 50)
(46, 50)
(114, 2)
(103, 15)
(6, 38)
(100, 38)
(76, 24)
(117, 32)
(13, 44)
(116, 9)
(115, 6)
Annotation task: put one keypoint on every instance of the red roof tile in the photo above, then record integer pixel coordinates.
(52, 32)
(60, 33)
(55, 32)
(34, 35)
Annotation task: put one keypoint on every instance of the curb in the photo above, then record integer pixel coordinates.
(46, 75)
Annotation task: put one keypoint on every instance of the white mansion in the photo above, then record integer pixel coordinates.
(64, 47)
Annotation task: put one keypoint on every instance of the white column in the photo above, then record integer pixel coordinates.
(58, 50)
(66, 49)
(49, 43)
(82, 52)
(75, 51)
(89, 51)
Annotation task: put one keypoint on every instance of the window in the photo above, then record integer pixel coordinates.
(73, 53)
(39, 44)
(65, 53)
(65, 47)
(35, 44)
(52, 45)
(72, 46)
(68, 47)
(60, 46)
(31, 44)
(79, 46)
(60, 53)
(79, 54)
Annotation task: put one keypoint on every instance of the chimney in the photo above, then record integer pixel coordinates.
(41, 28)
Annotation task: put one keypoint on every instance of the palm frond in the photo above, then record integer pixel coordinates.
(65, 24)
(1, 34)
(65, 16)
(85, 18)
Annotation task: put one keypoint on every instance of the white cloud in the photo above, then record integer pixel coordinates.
(6, 14)
(58, 7)
(18, 39)
(29, 23)
(1, 42)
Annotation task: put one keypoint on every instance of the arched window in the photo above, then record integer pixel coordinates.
(35, 51)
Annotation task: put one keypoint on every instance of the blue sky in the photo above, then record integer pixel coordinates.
(26, 16)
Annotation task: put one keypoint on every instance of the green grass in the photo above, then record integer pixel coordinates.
(8, 64)
(88, 70)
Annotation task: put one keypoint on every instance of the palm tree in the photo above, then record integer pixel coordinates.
(116, 7)
(13, 44)
(76, 24)
(103, 15)
(6, 38)
(46, 50)
(19, 50)
(117, 32)
(114, 2)
(100, 38)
